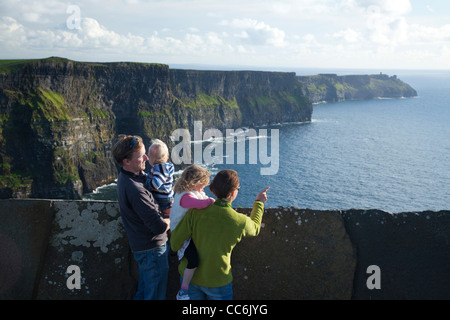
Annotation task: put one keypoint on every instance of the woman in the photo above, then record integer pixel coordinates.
(216, 230)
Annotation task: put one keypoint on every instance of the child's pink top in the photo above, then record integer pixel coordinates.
(191, 202)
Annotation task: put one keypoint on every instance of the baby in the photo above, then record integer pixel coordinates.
(160, 179)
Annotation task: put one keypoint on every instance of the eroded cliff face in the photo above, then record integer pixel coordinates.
(59, 118)
(241, 98)
(56, 130)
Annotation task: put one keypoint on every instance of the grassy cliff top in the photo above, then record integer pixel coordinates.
(13, 65)
(8, 66)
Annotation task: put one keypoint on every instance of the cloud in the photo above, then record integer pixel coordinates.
(385, 7)
(429, 35)
(302, 32)
(12, 33)
(257, 33)
(385, 20)
(430, 9)
(92, 37)
(39, 11)
(92, 34)
(348, 35)
(388, 25)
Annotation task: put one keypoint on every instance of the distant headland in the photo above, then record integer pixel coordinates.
(334, 88)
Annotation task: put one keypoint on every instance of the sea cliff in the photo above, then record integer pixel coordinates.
(59, 118)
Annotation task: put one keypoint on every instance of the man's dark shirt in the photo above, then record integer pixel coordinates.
(140, 213)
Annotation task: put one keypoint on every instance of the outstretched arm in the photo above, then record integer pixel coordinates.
(253, 224)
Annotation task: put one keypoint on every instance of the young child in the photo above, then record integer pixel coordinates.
(160, 179)
(189, 194)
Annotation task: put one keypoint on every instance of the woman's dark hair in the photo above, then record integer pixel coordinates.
(224, 183)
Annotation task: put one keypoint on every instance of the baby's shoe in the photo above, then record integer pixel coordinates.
(182, 295)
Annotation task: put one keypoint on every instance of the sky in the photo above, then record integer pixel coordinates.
(369, 34)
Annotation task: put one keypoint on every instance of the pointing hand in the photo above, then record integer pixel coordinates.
(262, 196)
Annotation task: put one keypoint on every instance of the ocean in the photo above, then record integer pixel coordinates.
(387, 154)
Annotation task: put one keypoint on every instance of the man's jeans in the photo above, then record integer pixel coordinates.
(153, 273)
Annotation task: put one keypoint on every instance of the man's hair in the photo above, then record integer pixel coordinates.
(224, 183)
(159, 150)
(125, 146)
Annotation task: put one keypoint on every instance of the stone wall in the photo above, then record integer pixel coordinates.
(299, 254)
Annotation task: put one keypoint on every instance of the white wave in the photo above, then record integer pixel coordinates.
(239, 138)
(99, 189)
(203, 141)
(322, 121)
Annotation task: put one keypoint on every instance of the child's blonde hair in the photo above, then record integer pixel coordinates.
(159, 150)
(192, 177)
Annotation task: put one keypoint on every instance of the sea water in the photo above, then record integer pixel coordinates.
(387, 154)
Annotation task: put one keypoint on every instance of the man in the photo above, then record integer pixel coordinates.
(146, 228)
